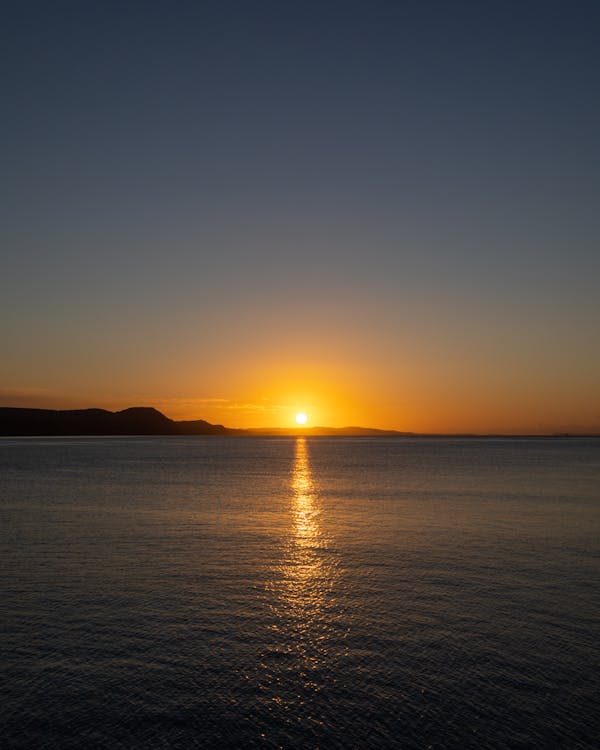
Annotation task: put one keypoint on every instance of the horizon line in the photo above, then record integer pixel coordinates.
(308, 431)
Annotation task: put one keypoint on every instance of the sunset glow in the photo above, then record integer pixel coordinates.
(301, 418)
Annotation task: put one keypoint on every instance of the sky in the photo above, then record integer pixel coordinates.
(378, 213)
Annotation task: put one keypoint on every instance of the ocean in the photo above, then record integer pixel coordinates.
(206, 592)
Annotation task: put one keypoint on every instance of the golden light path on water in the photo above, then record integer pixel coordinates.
(308, 571)
(304, 602)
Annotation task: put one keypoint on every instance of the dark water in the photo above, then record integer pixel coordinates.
(327, 593)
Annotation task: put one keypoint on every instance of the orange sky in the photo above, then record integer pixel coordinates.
(436, 365)
(402, 391)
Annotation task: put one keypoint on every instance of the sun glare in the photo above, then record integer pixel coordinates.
(301, 418)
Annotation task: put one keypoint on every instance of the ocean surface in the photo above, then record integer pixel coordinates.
(300, 593)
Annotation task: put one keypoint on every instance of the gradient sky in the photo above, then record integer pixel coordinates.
(378, 213)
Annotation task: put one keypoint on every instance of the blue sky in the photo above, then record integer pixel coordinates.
(380, 211)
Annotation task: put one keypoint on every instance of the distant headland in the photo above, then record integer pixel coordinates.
(141, 420)
(146, 420)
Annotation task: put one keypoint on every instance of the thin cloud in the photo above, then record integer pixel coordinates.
(19, 392)
(234, 406)
(28, 397)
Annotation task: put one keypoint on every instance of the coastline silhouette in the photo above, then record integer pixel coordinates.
(142, 420)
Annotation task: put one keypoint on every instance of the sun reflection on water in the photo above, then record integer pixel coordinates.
(305, 510)
(307, 569)
(304, 605)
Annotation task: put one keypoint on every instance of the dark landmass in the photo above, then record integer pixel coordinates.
(324, 431)
(140, 421)
(145, 420)
(134, 421)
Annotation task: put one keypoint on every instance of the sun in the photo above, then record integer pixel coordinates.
(301, 418)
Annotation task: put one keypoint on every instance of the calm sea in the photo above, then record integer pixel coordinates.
(300, 593)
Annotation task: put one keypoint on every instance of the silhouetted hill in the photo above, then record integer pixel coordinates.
(200, 427)
(140, 420)
(134, 421)
(145, 420)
